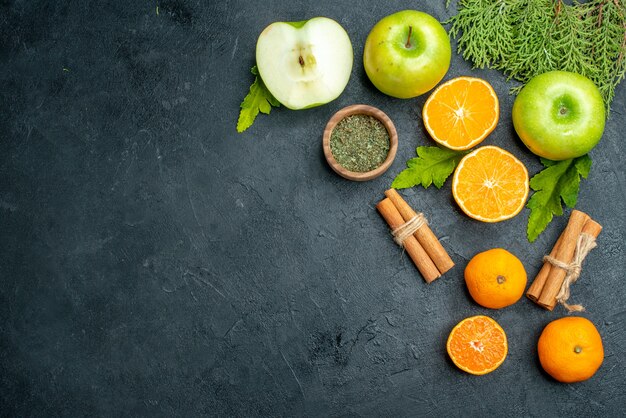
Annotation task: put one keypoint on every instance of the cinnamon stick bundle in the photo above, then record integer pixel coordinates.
(550, 281)
(412, 232)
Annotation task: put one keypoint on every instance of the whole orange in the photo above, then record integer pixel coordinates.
(495, 278)
(570, 349)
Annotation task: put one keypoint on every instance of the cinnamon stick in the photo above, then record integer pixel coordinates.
(592, 228)
(564, 253)
(420, 258)
(424, 234)
(538, 287)
(585, 243)
(534, 291)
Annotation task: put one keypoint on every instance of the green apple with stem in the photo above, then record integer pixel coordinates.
(407, 53)
(559, 115)
(304, 64)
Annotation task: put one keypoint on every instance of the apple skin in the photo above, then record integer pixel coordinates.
(559, 115)
(305, 64)
(401, 71)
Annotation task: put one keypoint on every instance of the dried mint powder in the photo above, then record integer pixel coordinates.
(359, 143)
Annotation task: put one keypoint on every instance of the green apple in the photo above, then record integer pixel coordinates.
(559, 115)
(406, 54)
(304, 64)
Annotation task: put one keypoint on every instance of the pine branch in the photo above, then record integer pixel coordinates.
(571, 40)
(484, 28)
(607, 53)
(531, 47)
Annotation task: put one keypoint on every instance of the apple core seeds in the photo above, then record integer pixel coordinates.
(360, 143)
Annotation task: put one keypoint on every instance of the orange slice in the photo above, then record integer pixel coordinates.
(477, 345)
(461, 112)
(490, 184)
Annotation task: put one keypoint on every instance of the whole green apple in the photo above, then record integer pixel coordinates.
(304, 64)
(406, 54)
(559, 115)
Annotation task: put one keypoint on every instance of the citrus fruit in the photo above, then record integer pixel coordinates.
(461, 112)
(490, 184)
(495, 278)
(570, 349)
(477, 345)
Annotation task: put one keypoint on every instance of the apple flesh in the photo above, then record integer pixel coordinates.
(559, 115)
(406, 54)
(304, 64)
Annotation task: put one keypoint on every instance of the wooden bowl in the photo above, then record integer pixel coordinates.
(360, 109)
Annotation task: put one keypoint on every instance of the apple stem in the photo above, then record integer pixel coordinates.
(408, 40)
(301, 60)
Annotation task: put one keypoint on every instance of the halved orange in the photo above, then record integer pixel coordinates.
(490, 184)
(461, 112)
(477, 345)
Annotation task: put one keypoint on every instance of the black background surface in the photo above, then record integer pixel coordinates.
(155, 262)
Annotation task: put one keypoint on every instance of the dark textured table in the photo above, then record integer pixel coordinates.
(155, 262)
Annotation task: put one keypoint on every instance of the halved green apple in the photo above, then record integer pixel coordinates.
(304, 64)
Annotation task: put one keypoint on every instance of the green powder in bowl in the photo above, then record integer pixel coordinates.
(359, 143)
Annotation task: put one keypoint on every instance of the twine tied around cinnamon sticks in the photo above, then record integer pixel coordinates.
(563, 266)
(407, 229)
(410, 230)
